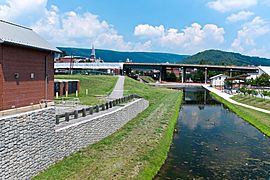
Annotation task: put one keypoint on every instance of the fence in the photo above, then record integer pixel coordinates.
(94, 109)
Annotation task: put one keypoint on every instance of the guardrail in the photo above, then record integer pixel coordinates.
(94, 109)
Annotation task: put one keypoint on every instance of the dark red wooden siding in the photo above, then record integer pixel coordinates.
(24, 91)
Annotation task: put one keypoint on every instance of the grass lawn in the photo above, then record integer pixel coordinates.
(258, 119)
(148, 79)
(97, 86)
(136, 151)
(253, 101)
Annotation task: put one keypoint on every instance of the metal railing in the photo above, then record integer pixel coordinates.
(94, 109)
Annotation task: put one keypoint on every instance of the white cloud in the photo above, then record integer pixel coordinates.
(66, 29)
(73, 29)
(147, 30)
(13, 9)
(240, 16)
(262, 52)
(228, 5)
(190, 40)
(250, 32)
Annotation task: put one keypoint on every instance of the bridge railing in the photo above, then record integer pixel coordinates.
(66, 117)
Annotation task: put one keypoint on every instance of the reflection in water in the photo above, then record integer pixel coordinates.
(213, 143)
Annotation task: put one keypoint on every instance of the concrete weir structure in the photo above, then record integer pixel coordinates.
(30, 142)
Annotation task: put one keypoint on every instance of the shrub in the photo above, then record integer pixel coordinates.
(254, 92)
(265, 93)
(243, 90)
(249, 91)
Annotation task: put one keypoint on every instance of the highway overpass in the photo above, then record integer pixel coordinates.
(162, 67)
(128, 67)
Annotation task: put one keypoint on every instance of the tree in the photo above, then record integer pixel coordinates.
(249, 91)
(263, 80)
(171, 77)
(265, 93)
(254, 92)
(243, 90)
(251, 82)
(198, 76)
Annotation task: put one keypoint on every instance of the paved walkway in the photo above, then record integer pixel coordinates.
(227, 97)
(118, 91)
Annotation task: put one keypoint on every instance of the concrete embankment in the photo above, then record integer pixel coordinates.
(177, 85)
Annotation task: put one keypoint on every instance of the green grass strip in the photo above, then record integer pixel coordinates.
(157, 156)
(253, 101)
(97, 85)
(136, 151)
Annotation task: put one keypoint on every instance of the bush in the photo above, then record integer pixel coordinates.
(254, 92)
(243, 90)
(171, 77)
(265, 93)
(249, 91)
(268, 94)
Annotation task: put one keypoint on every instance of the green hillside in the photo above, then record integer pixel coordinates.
(217, 57)
(116, 56)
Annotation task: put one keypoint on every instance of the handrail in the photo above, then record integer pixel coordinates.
(95, 109)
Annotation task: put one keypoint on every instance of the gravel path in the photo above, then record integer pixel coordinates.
(118, 90)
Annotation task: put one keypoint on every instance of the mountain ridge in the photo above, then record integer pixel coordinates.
(218, 57)
(118, 56)
(211, 57)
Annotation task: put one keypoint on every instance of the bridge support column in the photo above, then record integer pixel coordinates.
(230, 72)
(205, 76)
(183, 74)
(163, 74)
(127, 71)
(205, 97)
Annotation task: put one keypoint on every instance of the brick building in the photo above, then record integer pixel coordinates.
(26, 67)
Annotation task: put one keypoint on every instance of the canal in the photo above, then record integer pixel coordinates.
(212, 142)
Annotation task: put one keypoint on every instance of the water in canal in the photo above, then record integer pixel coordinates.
(213, 143)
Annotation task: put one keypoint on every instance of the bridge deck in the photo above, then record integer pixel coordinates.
(199, 66)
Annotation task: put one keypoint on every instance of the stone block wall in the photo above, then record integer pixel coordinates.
(26, 143)
(78, 135)
(30, 142)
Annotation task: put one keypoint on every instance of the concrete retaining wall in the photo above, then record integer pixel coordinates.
(26, 143)
(30, 142)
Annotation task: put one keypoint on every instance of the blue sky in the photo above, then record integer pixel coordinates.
(177, 26)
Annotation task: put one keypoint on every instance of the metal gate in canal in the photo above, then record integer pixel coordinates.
(214, 143)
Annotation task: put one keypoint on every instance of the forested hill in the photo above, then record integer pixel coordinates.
(217, 57)
(116, 56)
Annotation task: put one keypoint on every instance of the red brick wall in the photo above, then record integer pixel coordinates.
(24, 91)
(1, 79)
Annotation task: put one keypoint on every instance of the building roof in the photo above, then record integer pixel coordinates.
(240, 77)
(19, 35)
(219, 75)
(265, 69)
(66, 80)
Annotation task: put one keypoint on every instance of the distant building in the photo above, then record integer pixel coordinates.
(238, 81)
(218, 81)
(264, 70)
(66, 86)
(252, 76)
(26, 67)
(89, 68)
(175, 71)
(93, 54)
(71, 59)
